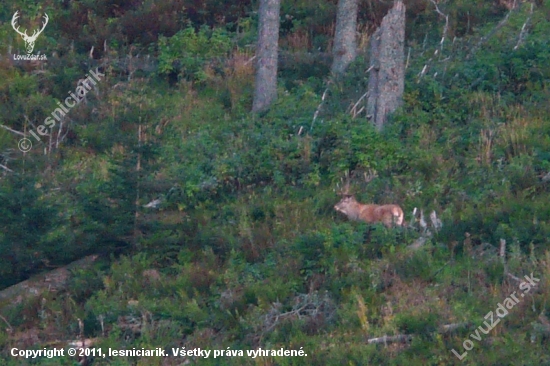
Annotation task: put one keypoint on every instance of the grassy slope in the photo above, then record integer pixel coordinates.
(249, 252)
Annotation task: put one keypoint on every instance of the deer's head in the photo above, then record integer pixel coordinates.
(348, 205)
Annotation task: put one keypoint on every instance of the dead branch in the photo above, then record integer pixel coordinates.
(82, 343)
(423, 72)
(14, 131)
(436, 222)
(250, 60)
(405, 338)
(501, 24)
(65, 135)
(6, 168)
(445, 29)
(318, 110)
(7, 323)
(443, 37)
(502, 254)
(29, 121)
(418, 243)
(353, 109)
(59, 133)
(545, 322)
(447, 328)
(425, 229)
(441, 269)
(305, 306)
(401, 338)
(514, 277)
(523, 32)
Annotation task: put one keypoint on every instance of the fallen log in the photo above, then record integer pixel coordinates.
(406, 338)
(53, 281)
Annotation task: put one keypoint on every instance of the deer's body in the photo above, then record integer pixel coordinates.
(388, 215)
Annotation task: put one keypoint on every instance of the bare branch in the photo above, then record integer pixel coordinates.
(353, 109)
(502, 252)
(6, 168)
(67, 128)
(501, 24)
(359, 111)
(446, 23)
(400, 338)
(523, 32)
(318, 110)
(9, 325)
(405, 338)
(436, 222)
(418, 243)
(305, 306)
(453, 326)
(423, 72)
(14, 131)
(250, 60)
(29, 121)
(514, 277)
(59, 133)
(443, 36)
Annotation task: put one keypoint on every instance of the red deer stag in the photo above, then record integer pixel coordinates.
(389, 215)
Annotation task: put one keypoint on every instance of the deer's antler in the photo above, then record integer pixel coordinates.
(344, 185)
(46, 18)
(14, 23)
(25, 36)
(370, 175)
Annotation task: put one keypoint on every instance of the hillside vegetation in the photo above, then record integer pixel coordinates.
(244, 249)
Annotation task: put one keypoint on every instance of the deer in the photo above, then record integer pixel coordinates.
(29, 40)
(389, 215)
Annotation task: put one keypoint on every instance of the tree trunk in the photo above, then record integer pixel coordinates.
(387, 66)
(344, 48)
(267, 49)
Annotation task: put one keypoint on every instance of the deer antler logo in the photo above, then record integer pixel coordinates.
(29, 40)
